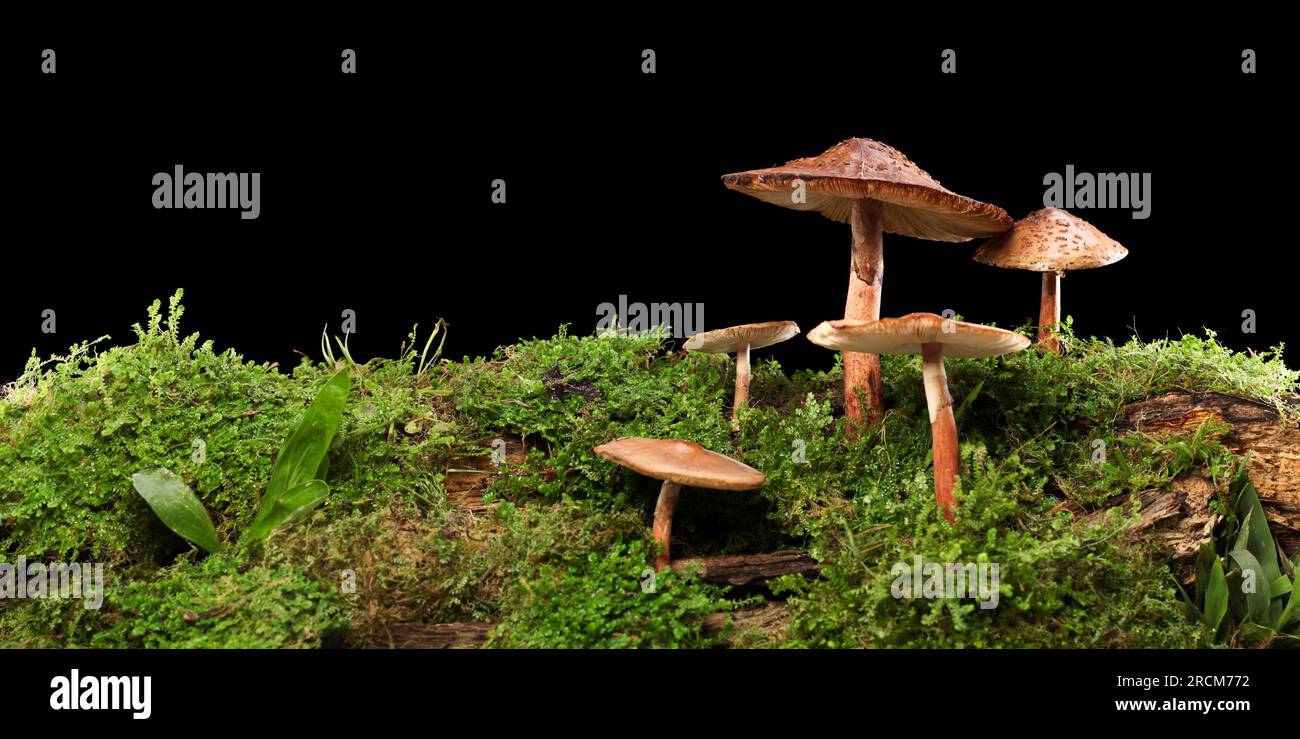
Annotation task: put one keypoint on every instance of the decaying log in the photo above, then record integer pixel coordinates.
(1255, 429)
(770, 618)
(466, 635)
(746, 569)
(468, 478)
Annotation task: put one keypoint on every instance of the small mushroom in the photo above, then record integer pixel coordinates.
(932, 337)
(677, 463)
(874, 188)
(740, 340)
(1050, 241)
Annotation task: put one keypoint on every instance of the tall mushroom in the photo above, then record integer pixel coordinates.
(1050, 241)
(677, 463)
(873, 188)
(740, 340)
(932, 337)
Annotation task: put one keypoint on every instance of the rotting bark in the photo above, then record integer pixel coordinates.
(866, 272)
(467, 479)
(1180, 519)
(465, 635)
(740, 570)
(771, 618)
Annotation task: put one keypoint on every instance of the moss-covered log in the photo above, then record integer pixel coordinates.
(1180, 518)
(740, 570)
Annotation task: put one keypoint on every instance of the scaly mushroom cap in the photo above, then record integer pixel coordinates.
(912, 202)
(734, 338)
(682, 462)
(1051, 240)
(906, 334)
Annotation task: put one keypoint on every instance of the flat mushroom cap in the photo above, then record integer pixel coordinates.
(906, 334)
(1051, 240)
(912, 202)
(682, 462)
(734, 338)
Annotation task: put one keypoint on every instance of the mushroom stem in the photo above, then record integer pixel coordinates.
(867, 270)
(663, 526)
(742, 384)
(1049, 312)
(943, 427)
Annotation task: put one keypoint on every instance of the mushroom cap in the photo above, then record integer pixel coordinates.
(1051, 240)
(906, 334)
(912, 202)
(682, 462)
(734, 338)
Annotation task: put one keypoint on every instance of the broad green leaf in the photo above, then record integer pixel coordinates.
(1279, 587)
(1292, 610)
(176, 506)
(1257, 601)
(293, 506)
(1216, 597)
(1204, 563)
(1193, 613)
(1252, 633)
(1255, 530)
(305, 450)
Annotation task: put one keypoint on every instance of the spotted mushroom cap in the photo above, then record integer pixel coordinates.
(906, 334)
(1051, 240)
(912, 202)
(682, 462)
(734, 338)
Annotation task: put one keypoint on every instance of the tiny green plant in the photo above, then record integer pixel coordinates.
(296, 488)
(1251, 594)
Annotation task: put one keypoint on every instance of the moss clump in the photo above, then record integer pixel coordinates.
(557, 560)
(602, 601)
(72, 435)
(216, 603)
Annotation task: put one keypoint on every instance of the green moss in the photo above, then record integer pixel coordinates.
(557, 563)
(72, 435)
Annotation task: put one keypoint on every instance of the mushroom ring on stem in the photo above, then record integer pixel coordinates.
(1050, 241)
(932, 337)
(677, 463)
(740, 340)
(874, 188)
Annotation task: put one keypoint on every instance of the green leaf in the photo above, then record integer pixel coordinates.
(1216, 597)
(1292, 610)
(1279, 587)
(177, 506)
(294, 506)
(1193, 613)
(1204, 563)
(1257, 601)
(305, 450)
(1254, 529)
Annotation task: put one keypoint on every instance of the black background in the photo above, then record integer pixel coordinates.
(376, 187)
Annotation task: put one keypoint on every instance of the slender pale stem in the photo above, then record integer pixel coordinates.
(663, 526)
(943, 427)
(866, 272)
(1049, 312)
(742, 385)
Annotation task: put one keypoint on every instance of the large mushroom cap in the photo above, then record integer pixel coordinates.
(912, 202)
(735, 338)
(682, 462)
(906, 334)
(1051, 240)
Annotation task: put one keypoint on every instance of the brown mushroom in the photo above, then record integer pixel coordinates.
(1050, 241)
(932, 337)
(873, 188)
(677, 463)
(740, 340)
